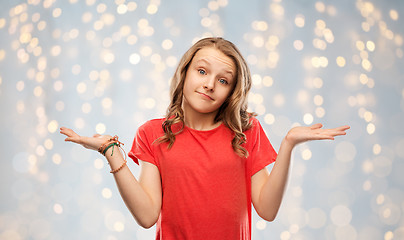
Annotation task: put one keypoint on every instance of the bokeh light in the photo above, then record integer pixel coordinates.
(105, 67)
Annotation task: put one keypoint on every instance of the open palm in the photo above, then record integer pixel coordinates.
(88, 142)
(315, 132)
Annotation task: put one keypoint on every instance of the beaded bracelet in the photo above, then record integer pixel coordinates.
(118, 169)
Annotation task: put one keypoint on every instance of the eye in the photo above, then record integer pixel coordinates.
(201, 71)
(223, 81)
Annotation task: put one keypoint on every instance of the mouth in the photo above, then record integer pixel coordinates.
(205, 96)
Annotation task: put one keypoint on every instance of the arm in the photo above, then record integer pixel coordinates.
(267, 189)
(142, 197)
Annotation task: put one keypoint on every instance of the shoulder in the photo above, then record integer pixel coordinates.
(255, 124)
(154, 122)
(153, 126)
(256, 130)
(254, 121)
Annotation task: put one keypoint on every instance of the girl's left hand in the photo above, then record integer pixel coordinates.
(315, 132)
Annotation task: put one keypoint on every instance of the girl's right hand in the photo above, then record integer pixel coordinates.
(93, 143)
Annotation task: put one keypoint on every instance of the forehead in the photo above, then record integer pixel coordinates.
(214, 57)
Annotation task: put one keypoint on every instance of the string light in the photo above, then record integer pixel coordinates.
(106, 67)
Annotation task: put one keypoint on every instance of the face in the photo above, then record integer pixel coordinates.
(208, 82)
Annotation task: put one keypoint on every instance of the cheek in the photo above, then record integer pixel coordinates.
(224, 96)
(187, 89)
(189, 80)
(229, 91)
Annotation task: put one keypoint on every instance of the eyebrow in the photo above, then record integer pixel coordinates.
(208, 63)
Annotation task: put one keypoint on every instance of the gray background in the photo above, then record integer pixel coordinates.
(105, 66)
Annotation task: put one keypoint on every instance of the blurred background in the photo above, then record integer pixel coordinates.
(105, 66)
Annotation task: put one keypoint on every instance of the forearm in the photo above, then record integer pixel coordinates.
(274, 187)
(133, 194)
(143, 201)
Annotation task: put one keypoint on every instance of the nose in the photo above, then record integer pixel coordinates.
(209, 84)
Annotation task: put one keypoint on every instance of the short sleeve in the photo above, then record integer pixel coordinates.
(142, 147)
(261, 153)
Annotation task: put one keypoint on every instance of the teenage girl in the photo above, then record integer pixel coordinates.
(204, 163)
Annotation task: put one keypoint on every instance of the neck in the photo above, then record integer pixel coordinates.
(200, 121)
(201, 125)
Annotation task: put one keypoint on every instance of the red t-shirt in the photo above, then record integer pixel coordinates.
(206, 186)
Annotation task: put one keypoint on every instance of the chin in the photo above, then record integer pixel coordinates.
(206, 111)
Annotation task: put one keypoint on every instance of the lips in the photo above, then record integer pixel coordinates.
(205, 95)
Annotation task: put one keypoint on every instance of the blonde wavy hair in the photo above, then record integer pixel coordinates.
(233, 112)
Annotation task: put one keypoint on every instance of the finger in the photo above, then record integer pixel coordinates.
(71, 135)
(326, 135)
(65, 129)
(96, 135)
(74, 140)
(62, 129)
(336, 133)
(341, 130)
(344, 128)
(64, 132)
(316, 126)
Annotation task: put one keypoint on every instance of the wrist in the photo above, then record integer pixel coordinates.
(113, 153)
(109, 146)
(113, 141)
(288, 143)
(111, 150)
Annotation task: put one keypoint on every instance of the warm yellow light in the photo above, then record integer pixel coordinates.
(360, 45)
(100, 128)
(370, 128)
(299, 21)
(56, 12)
(152, 9)
(298, 45)
(393, 14)
(318, 100)
(269, 119)
(320, 24)
(306, 154)
(341, 61)
(308, 118)
(377, 149)
(2, 54)
(370, 46)
(320, 6)
(53, 126)
(122, 9)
